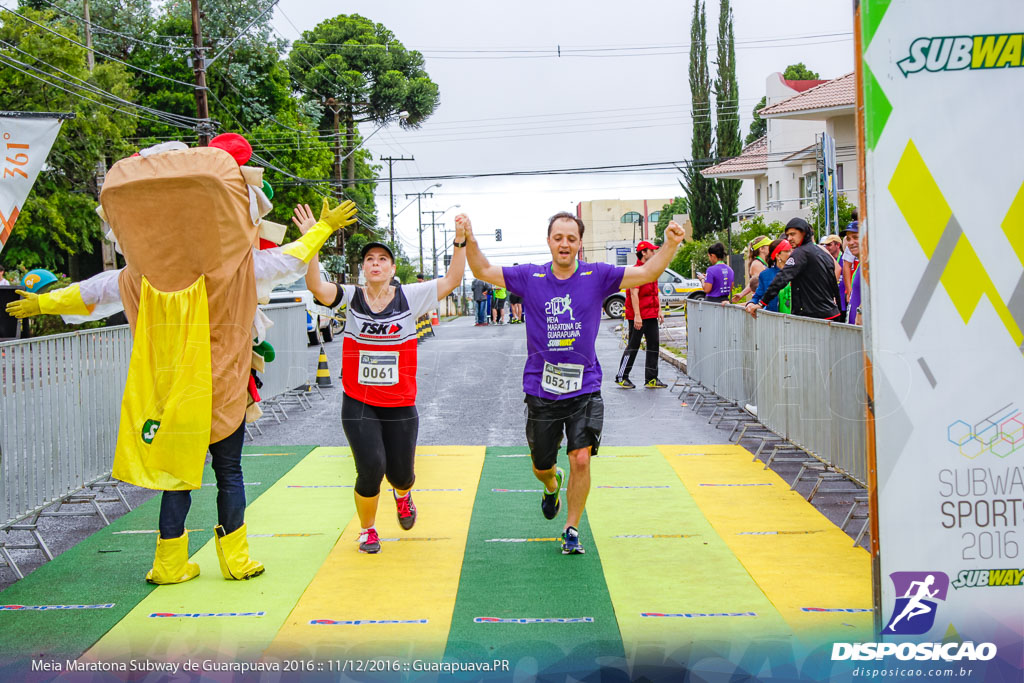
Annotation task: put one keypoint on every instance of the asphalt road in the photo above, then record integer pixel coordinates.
(470, 384)
(470, 393)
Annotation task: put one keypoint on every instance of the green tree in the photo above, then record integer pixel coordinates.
(727, 103)
(676, 206)
(58, 227)
(799, 72)
(368, 73)
(818, 219)
(119, 26)
(758, 127)
(705, 212)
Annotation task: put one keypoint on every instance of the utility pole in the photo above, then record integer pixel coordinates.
(433, 217)
(391, 186)
(205, 128)
(336, 186)
(433, 252)
(331, 102)
(106, 246)
(419, 214)
(90, 58)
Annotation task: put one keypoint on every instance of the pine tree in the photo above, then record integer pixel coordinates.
(727, 101)
(702, 197)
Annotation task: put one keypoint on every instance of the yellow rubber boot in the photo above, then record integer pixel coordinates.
(171, 565)
(233, 553)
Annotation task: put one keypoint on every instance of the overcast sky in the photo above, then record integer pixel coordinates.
(529, 110)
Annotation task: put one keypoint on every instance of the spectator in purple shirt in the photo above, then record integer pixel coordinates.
(562, 378)
(719, 278)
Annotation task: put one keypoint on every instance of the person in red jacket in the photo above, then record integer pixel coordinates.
(643, 314)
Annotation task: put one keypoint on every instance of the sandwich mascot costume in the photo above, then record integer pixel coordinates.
(189, 222)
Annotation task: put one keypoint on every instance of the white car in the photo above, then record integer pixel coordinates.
(673, 289)
(325, 326)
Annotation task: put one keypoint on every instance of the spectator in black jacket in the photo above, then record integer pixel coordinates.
(811, 271)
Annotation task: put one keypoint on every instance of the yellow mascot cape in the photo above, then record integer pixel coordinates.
(183, 223)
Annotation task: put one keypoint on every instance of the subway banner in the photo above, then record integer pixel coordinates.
(25, 142)
(942, 83)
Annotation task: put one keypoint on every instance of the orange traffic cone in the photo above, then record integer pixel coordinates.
(434, 319)
(323, 373)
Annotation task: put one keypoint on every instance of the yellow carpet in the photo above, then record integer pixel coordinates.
(806, 566)
(397, 603)
(671, 578)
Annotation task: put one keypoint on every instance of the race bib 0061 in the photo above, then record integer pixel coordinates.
(378, 368)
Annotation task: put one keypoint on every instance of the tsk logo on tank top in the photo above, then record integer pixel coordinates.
(381, 330)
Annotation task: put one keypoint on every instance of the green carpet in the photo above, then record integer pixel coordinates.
(109, 567)
(529, 580)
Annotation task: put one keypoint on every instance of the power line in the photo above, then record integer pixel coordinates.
(171, 118)
(102, 54)
(242, 32)
(103, 29)
(7, 59)
(607, 169)
(568, 50)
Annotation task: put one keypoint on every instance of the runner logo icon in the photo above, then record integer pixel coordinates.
(560, 305)
(915, 608)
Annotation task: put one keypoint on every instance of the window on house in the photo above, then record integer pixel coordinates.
(778, 196)
(631, 217)
(839, 177)
(769, 191)
(654, 217)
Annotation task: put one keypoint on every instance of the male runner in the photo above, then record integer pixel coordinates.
(562, 378)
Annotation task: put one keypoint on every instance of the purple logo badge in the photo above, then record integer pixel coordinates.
(916, 596)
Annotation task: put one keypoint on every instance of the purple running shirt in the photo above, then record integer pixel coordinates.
(562, 321)
(720, 276)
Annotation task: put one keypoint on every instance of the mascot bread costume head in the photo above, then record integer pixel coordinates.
(182, 220)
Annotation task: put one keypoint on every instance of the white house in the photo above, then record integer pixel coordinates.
(782, 165)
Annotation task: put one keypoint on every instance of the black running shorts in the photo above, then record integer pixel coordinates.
(580, 418)
(514, 298)
(383, 442)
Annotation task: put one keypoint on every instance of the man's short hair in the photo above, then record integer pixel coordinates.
(419, 276)
(718, 249)
(565, 215)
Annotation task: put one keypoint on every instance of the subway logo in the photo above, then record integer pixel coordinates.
(955, 53)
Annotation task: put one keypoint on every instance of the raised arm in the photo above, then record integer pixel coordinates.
(457, 268)
(323, 291)
(649, 272)
(478, 263)
(92, 299)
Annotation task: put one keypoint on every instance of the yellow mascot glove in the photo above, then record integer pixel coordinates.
(330, 221)
(26, 307)
(341, 216)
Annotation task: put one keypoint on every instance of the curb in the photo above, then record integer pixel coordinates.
(672, 359)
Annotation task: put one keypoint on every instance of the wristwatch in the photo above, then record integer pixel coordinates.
(459, 244)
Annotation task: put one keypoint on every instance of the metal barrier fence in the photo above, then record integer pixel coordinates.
(805, 376)
(60, 400)
(290, 367)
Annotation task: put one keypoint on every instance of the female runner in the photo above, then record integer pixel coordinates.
(378, 408)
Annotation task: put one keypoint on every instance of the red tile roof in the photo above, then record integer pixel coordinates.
(754, 157)
(839, 92)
